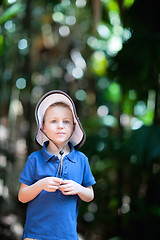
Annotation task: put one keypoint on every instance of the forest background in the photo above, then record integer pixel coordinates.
(106, 55)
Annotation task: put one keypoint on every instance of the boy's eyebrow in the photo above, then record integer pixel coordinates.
(68, 118)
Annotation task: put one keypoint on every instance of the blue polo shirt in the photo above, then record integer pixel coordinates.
(52, 215)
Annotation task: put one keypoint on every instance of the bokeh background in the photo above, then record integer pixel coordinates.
(106, 55)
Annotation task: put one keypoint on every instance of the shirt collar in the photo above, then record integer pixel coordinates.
(47, 156)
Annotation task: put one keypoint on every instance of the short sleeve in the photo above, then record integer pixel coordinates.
(28, 172)
(88, 178)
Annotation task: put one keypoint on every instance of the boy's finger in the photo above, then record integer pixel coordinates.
(65, 182)
(55, 184)
(58, 180)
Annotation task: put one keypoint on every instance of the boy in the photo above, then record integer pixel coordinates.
(55, 177)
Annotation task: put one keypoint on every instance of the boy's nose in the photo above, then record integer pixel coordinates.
(60, 124)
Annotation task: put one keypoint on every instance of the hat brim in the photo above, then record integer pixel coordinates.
(78, 137)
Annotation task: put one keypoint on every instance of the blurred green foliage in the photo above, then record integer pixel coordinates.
(11, 12)
(105, 54)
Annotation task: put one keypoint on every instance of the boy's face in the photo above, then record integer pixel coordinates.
(58, 124)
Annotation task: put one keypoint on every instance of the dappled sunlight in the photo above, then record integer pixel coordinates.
(21, 148)
(110, 121)
(22, 44)
(11, 1)
(3, 161)
(58, 17)
(125, 208)
(10, 26)
(78, 60)
(102, 111)
(99, 63)
(104, 31)
(49, 39)
(3, 133)
(14, 225)
(130, 122)
(64, 31)
(136, 123)
(81, 237)
(80, 95)
(81, 3)
(114, 45)
(88, 217)
(15, 109)
(77, 73)
(21, 83)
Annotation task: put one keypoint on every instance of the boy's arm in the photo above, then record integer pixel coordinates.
(28, 193)
(69, 187)
(86, 193)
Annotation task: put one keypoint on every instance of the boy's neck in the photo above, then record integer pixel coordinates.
(52, 149)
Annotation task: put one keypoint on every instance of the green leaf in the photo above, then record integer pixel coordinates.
(128, 3)
(1, 44)
(114, 92)
(11, 12)
(99, 63)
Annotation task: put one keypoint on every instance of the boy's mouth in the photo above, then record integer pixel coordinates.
(60, 133)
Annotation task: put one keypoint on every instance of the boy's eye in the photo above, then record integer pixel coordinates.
(53, 121)
(66, 122)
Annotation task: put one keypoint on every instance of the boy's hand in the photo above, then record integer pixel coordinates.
(50, 184)
(69, 187)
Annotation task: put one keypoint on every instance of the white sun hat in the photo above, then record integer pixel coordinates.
(78, 137)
